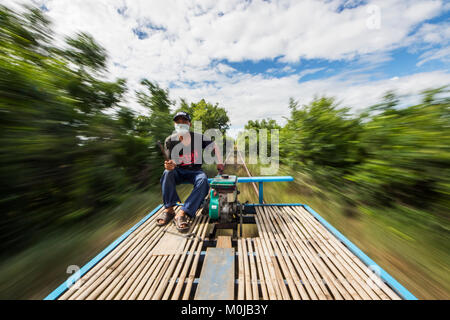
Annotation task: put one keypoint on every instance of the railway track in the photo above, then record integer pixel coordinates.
(255, 187)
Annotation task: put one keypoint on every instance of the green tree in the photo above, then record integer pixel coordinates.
(321, 134)
(257, 125)
(211, 116)
(59, 149)
(159, 124)
(153, 128)
(407, 154)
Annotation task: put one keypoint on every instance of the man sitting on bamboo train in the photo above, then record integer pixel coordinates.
(183, 168)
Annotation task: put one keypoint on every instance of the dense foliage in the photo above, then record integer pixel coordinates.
(250, 137)
(211, 116)
(69, 147)
(389, 154)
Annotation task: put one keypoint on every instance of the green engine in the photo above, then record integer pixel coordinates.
(223, 204)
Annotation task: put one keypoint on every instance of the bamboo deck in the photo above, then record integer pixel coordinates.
(293, 257)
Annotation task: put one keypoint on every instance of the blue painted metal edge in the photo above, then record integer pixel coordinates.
(264, 179)
(386, 277)
(261, 192)
(261, 179)
(272, 204)
(65, 285)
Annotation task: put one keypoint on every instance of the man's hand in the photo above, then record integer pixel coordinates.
(220, 168)
(169, 165)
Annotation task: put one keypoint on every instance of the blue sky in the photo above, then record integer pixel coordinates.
(402, 61)
(252, 56)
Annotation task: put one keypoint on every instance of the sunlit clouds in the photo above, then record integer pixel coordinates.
(200, 49)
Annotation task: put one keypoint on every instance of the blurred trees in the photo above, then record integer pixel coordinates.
(388, 154)
(69, 148)
(257, 126)
(407, 153)
(57, 160)
(321, 134)
(147, 130)
(160, 122)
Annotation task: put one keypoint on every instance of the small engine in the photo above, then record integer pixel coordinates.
(223, 204)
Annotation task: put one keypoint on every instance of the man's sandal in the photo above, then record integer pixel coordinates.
(166, 216)
(181, 223)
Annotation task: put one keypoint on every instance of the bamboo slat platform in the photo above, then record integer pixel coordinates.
(293, 257)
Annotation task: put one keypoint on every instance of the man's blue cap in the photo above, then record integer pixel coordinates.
(183, 115)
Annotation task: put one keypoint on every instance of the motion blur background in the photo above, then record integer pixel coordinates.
(78, 167)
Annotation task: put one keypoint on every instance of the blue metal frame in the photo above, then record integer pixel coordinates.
(88, 266)
(265, 179)
(386, 277)
(260, 181)
(261, 192)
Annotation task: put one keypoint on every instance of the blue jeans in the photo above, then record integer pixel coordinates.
(170, 179)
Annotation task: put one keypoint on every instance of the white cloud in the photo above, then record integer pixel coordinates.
(185, 39)
(442, 54)
(309, 71)
(256, 97)
(288, 69)
(223, 68)
(196, 33)
(434, 38)
(434, 33)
